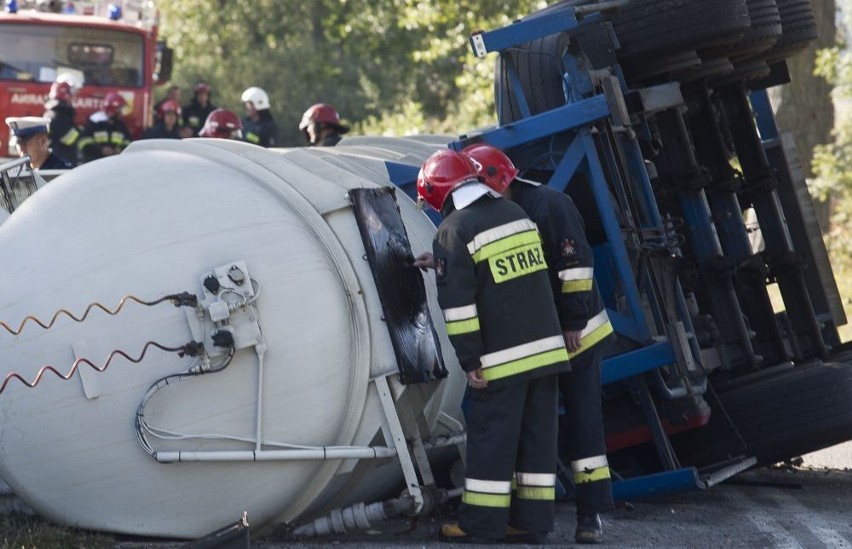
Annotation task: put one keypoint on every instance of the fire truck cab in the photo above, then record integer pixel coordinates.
(100, 47)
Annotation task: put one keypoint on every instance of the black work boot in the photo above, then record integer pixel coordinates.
(589, 529)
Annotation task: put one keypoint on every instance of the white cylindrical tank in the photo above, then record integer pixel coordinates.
(151, 222)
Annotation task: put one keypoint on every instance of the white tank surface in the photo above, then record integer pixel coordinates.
(275, 228)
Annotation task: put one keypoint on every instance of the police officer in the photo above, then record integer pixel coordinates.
(259, 126)
(197, 111)
(31, 138)
(64, 132)
(321, 125)
(584, 323)
(105, 133)
(495, 295)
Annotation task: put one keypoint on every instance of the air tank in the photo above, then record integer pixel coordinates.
(166, 218)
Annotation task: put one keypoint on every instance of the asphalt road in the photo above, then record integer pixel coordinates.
(790, 508)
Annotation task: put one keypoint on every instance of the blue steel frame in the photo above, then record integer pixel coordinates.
(585, 106)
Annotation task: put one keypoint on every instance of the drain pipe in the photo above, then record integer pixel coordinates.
(361, 516)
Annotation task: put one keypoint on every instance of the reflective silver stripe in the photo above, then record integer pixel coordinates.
(488, 486)
(588, 464)
(493, 235)
(535, 479)
(460, 313)
(522, 351)
(101, 137)
(594, 323)
(578, 273)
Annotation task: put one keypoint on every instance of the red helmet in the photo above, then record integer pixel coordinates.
(169, 106)
(492, 164)
(441, 173)
(61, 91)
(322, 113)
(113, 104)
(202, 87)
(223, 124)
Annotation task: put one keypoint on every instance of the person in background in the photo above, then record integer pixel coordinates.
(259, 126)
(168, 126)
(64, 132)
(172, 94)
(494, 291)
(222, 124)
(321, 126)
(31, 139)
(584, 323)
(105, 133)
(196, 112)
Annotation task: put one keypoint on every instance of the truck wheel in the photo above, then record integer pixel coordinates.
(765, 30)
(646, 27)
(798, 25)
(779, 415)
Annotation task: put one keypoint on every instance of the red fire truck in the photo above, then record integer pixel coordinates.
(97, 46)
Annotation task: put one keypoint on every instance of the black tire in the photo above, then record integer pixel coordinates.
(798, 25)
(539, 65)
(780, 415)
(765, 30)
(648, 27)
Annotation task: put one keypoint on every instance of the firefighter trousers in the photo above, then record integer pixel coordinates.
(581, 433)
(510, 477)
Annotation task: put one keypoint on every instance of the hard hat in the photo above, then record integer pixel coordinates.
(202, 87)
(114, 103)
(72, 79)
(61, 91)
(495, 168)
(256, 97)
(169, 106)
(441, 173)
(223, 124)
(322, 113)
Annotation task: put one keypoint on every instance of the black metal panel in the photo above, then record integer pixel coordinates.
(402, 291)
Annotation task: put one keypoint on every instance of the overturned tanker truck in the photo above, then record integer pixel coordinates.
(317, 388)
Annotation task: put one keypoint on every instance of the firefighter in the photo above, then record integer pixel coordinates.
(584, 323)
(172, 94)
(105, 133)
(222, 124)
(495, 295)
(64, 132)
(197, 111)
(321, 126)
(168, 126)
(31, 138)
(259, 126)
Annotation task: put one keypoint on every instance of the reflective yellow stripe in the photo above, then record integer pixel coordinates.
(487, 500)
(253, 138)
(573, 286)
(505, 244)
(117, 139)
(525, 364)
(101, 137)
(463, 326)
(583, 477)
(70, 137)
(498, 233)
(537, 492)
(84, 142)
(522, 351)
(590, 338)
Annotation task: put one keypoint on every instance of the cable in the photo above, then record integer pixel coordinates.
(191, 349)
(184, 299)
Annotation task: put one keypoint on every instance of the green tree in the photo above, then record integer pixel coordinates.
(390, 66)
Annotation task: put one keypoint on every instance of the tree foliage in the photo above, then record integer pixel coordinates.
(389, 66)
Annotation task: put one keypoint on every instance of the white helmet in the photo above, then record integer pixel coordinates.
(257, 97)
